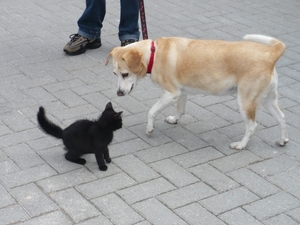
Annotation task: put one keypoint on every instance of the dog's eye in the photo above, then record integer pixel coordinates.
(124, 75)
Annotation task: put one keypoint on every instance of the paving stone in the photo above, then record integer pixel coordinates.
(195, 214)
(235, 161)
(281, 219)
(186, 195)
(18, 214)
(23, 156)
(66, 180)
(117, 210)
(253, 182)
(272, 205)
(239, 216)
(194, 158)
(127, 147)
(274, 166)
(160, 152)
(55, 218)
(6, 198)
(33, 200)
(106, 185)
(228, 200)
(214, 178)
(98, 220)
(77, 207)
(27, 176)
(145, 190)
(295, 214)
(174, 173)
(137, 169)
(7, 167)
(156, 213)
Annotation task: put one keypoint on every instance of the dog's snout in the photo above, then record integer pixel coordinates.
(120, 93)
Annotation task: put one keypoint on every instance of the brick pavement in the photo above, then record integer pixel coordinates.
(182, 174)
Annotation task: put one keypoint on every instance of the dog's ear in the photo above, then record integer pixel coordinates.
(112, 52)
(133, 59)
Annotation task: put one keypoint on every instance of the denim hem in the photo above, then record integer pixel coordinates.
(89, 34)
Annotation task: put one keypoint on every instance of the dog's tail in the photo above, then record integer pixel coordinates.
(47, 125)
(277, 45)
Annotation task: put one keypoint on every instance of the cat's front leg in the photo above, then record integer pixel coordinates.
(106, 155)
(100, 161)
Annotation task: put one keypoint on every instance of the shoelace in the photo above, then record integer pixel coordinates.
(74, 37)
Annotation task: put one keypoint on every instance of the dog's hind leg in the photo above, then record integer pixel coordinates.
(248, 112)
(181, 102)
(271, 104)
(162, 103)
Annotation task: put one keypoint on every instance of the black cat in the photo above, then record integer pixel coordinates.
(85, 136)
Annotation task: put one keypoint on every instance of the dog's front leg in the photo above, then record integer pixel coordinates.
(162, 103)
(181, 102)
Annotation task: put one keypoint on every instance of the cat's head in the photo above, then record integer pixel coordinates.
(110, 118)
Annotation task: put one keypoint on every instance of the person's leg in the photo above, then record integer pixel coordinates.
(90, 23)
(89, 31)
(129, 26)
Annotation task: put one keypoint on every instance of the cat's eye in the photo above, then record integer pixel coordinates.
(124, 75)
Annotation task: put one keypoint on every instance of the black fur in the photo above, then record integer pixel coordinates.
(85, 136)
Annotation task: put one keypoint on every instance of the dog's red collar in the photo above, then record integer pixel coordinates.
(149, 69)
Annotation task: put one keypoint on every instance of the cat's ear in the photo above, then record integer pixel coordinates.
(108, 106)
(118, 115)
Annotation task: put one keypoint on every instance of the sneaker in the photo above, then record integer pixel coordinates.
(127, 42)
(79, 44)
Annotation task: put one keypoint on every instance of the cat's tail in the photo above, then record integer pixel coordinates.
(47, 125)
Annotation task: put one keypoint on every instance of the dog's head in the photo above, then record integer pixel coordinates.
(128, 66)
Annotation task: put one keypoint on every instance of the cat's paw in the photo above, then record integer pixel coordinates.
(103, 168)
(81, 161)
(108, 160)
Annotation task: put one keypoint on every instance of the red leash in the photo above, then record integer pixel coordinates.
(143, 20)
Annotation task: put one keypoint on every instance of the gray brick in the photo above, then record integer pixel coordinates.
(287, 182)
(156, 213)
(98, 220)
(239, 216)
(12, 214)
(174, 173)
(24, 156)
(77, 207)
(214, 178)
(6, 198)
(274, 166)
(16, 121)
(66, 180)
(127, 147)
(106, 185)
(235, 161)
(195, 214)
(295, 214)
(27, 176)
(194, 158)
(271, 206)
(117, 210)
(135, 168)
(253, 182)
(185, 138)
(53, 218)
(186, 195)
(281, 219)
(33, 200)
(145, 190)
(7, 166)
(160, 152)
(228, 200)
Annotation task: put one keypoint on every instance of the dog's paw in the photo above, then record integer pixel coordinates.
(171, 119)
(149, 130)
(282, 142)
(237, 146)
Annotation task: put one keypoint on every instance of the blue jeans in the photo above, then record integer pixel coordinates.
(90, 23)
